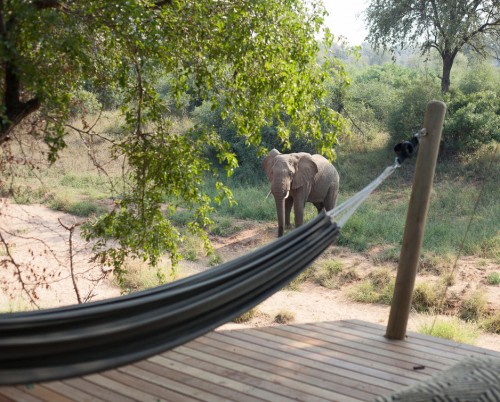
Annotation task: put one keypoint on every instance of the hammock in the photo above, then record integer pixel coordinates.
(72, 341)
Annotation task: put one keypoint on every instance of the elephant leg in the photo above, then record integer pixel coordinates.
(288, 210)
(319, 206)
(331, 198)
(298, 210)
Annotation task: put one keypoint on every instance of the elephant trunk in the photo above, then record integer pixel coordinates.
(280, 210)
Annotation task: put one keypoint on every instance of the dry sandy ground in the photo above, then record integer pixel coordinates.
(38, 243)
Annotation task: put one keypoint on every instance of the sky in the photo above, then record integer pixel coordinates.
(344, 19)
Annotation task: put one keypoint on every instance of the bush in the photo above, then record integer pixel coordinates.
(491, 324)
(377, 287)
(247, 316)
(493, 278)
(137, 275)
(363, 292)
(472, 120)
(284, 317)
(408, 117)
(84, 103)
(328, 274)
(427, 297)
(452, 329)
(473, 307)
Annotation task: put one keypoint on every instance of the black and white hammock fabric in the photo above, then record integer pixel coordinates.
(71, 341)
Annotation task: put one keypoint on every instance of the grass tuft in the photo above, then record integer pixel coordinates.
(491, 324)
(284, 317)
(427, 297)
(473, 308)
(452, 329)
(246, 316)
(493, 278)
(138, 275)
(377, 287)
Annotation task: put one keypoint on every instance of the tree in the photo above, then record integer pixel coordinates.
(443, 25)
(260, 53)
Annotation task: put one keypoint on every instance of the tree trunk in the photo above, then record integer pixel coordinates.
(14, 111)
(448, 58)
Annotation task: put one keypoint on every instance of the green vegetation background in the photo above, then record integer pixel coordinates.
(384, 104)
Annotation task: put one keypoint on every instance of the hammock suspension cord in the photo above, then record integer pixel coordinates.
(341, 214)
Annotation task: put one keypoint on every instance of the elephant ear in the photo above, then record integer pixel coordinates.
(306, 170)
(268, 162)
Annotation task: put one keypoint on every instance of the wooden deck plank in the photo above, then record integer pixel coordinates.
(71, 392)
(337, 379)
(278, 392)
(364, 343)
(44, 393)
(4, 398)
(94, 390)
(210, 373)
(340, 350)
(290, 363)
(327, 361)
(372, 353)
(289, 379)
(18, 394)
(435, 351)
(342, 356)
(120, 388)
(196, 389)
(423, 339)
(139, 382)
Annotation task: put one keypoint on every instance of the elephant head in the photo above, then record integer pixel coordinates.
(288, 173)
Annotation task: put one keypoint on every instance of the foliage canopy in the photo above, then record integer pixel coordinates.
(443, 25)
(261, 55)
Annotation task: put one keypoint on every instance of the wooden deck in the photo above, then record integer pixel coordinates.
(326, 361)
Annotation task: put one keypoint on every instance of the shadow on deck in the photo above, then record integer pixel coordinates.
(327, 361)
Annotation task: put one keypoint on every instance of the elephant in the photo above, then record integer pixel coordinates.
(298, 178)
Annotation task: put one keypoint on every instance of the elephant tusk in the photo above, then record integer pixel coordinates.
(287, 194)
(267, 196)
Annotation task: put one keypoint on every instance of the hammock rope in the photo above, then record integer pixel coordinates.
(64, 342)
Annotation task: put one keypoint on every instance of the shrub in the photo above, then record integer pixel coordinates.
(84, 103)
(363, 292)
(138, 275)
(84, 208)
(215, 259)
(247, 316)
(408, 117)
(491, 324)
(377, 287)
(284, 317)
(328, 274)
(452, 329)
(380, 278)
(224, 227)
(427, 297)
(305, 275)
(493, 278)
(473, 307)
(472, 120)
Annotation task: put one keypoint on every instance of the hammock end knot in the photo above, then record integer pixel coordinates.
(406, 149)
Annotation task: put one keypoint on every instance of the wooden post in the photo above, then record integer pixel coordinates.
(415, 220)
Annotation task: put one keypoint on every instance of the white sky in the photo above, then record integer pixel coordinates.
(345, 19)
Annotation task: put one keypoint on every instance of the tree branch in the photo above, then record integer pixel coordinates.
(15, 110)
